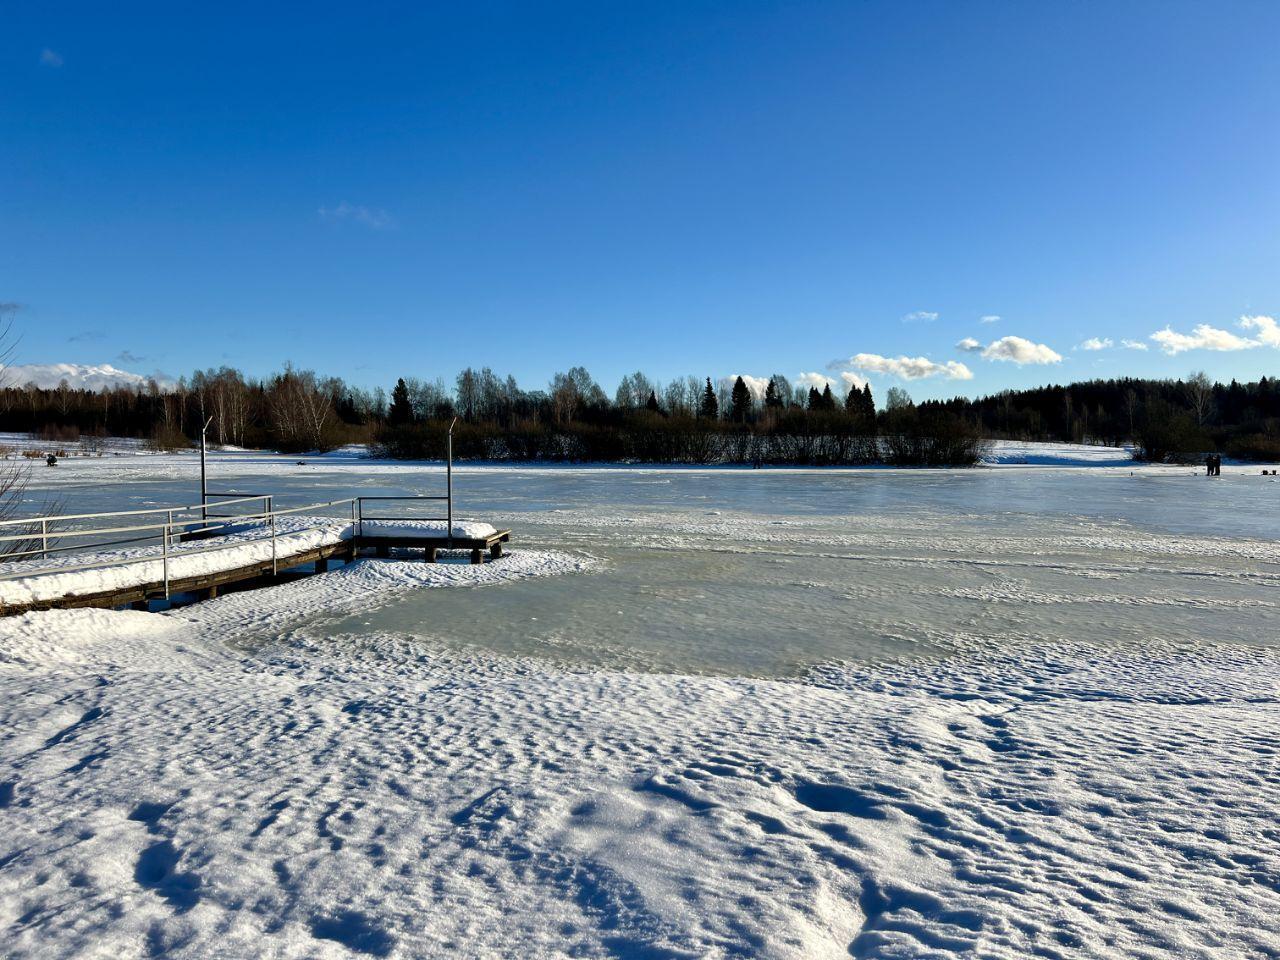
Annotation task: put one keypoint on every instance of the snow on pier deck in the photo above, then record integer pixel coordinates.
(204, 555)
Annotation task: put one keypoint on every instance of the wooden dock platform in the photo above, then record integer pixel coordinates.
(477, 546)
(266, 572)
(290, 547)
(205, 585)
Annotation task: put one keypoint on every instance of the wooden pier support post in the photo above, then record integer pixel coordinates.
(322, 565)
(139, 605)
(383, 550)
(495, 549)
(431, 554)
(476, 557)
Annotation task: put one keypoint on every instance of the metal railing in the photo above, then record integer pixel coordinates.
(169, 532)
(174, 526)
(448, 518)
(43, 528)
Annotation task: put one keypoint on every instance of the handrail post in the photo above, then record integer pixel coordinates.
(274, 571)
(44, 538)
(448, 474)
(204, 485)
(168, 531)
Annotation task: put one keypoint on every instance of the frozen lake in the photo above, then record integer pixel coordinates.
(765, 573)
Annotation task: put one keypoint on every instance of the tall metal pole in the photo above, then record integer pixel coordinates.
(448, 474)
(204, 487)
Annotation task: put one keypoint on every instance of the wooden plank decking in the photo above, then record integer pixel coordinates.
(477, 546)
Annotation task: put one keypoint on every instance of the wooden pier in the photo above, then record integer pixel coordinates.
(206, 535)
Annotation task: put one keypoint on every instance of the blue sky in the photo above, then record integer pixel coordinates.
(379, 190)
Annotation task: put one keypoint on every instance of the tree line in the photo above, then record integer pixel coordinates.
(1163, 419)
(687, 420)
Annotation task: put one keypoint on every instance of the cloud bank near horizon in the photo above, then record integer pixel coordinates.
(905, 368)
(79, 376)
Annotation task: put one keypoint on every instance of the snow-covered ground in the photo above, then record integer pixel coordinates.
(1002, 713)
(13, 445)
(368, 795)
(1047, 454)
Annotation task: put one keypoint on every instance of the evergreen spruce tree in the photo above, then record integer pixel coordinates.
(401, 409)
(853, 402)
(710, 407)
(772, 395)
(740, 411)
(652, 403)
(868, 404)
(815, 399)
(828, 399)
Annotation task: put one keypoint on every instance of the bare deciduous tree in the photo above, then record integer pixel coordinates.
(14, 474)
(301, 408)
(1200, 395)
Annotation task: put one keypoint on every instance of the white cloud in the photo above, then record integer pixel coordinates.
(1133, 345)
(816, 380)
(1098, 343)
(852, 381)
(81, 376)
(757, 385)
(1203, 337)
(920, 316)
(375, 218)
(989, 318)
(969, 345)
(1020, 351)
(1268, 331)
(49, 58)
(847, 381)
(909, 368)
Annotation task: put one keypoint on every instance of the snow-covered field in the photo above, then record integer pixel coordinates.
(1001, 713)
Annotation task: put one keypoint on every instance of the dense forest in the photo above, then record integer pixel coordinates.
(689, 420)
